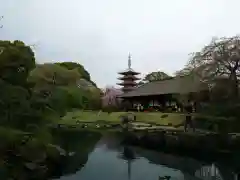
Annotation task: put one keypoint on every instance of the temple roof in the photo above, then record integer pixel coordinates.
(129, 71)
(129, 77)
(176, 85)
(127, 83)
(128, 89)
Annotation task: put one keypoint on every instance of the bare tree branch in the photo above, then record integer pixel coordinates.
(221, 58)
(1, 17)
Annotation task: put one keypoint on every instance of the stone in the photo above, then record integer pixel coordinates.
(71, 153)
(97, 126)
(164, 178)
(126, 118)
(31, 166)
(61, 151)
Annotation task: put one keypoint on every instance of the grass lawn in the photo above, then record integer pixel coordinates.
(147, 117)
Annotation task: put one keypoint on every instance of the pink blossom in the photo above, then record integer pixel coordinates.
(110, 96)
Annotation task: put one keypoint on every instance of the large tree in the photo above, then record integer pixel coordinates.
(16, 61)
(64, 88)
(53, 74)
(218, 60)
(154, 76)
(109, 97)
(72, 65)
(80, 68)
(16, 100)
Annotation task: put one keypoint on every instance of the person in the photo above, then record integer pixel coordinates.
(138, 107)
(188, 120)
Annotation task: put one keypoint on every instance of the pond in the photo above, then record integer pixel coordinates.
(107, 159)
(91, 155)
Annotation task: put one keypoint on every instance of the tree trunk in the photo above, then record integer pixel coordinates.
(234, 86)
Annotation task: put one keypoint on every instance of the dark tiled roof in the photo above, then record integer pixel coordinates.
(129, 72)
(134, 77)
(176, 85)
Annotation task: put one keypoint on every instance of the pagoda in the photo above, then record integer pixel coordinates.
(129, 78)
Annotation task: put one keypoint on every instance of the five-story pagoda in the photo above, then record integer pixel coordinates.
(129, 78)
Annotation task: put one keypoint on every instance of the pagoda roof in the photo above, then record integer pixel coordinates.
(176, 85)
(133, 77)
(128, 89)
(129, 71)
(127, 83)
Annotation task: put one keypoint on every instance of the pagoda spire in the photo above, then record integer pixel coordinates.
(129, 61)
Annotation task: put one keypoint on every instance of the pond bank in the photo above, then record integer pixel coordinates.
(170, 139)
(25, 155)
(103, 153)
(188, 142)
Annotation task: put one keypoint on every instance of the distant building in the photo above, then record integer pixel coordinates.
(166, 92)
(129, 78)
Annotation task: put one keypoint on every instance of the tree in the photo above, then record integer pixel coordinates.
(16, 61)
(52, 74)
(187, 70)
(219, 59)
(109, 99)
(13, 103)
(1, 17)
(52, 84)
(92, 94)
(156, 76)
(82, 71)
(83, 83)
(64, 89)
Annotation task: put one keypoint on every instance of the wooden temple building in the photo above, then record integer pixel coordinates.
(164, 93)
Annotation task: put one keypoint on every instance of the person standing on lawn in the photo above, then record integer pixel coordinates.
(188, 121)
(138, 107)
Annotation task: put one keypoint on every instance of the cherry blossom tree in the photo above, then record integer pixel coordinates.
(110, 97)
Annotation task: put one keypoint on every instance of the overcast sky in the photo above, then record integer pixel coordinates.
(99, 34)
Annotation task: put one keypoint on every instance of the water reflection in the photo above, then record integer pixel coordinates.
(212, 172)
(80, 144)
(92, 156)
(209, 172)
(128, 155)
(111, 160)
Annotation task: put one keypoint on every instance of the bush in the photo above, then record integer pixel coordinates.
(222, 109)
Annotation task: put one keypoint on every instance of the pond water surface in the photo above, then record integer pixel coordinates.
(106, 159)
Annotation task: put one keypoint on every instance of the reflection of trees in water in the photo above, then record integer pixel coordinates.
(112, 141)
(191, 168)
(45, 163)
(81, 143)
(212, 172)
(236, 176)
(208, 173)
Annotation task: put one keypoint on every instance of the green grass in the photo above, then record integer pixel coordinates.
(147, 117)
